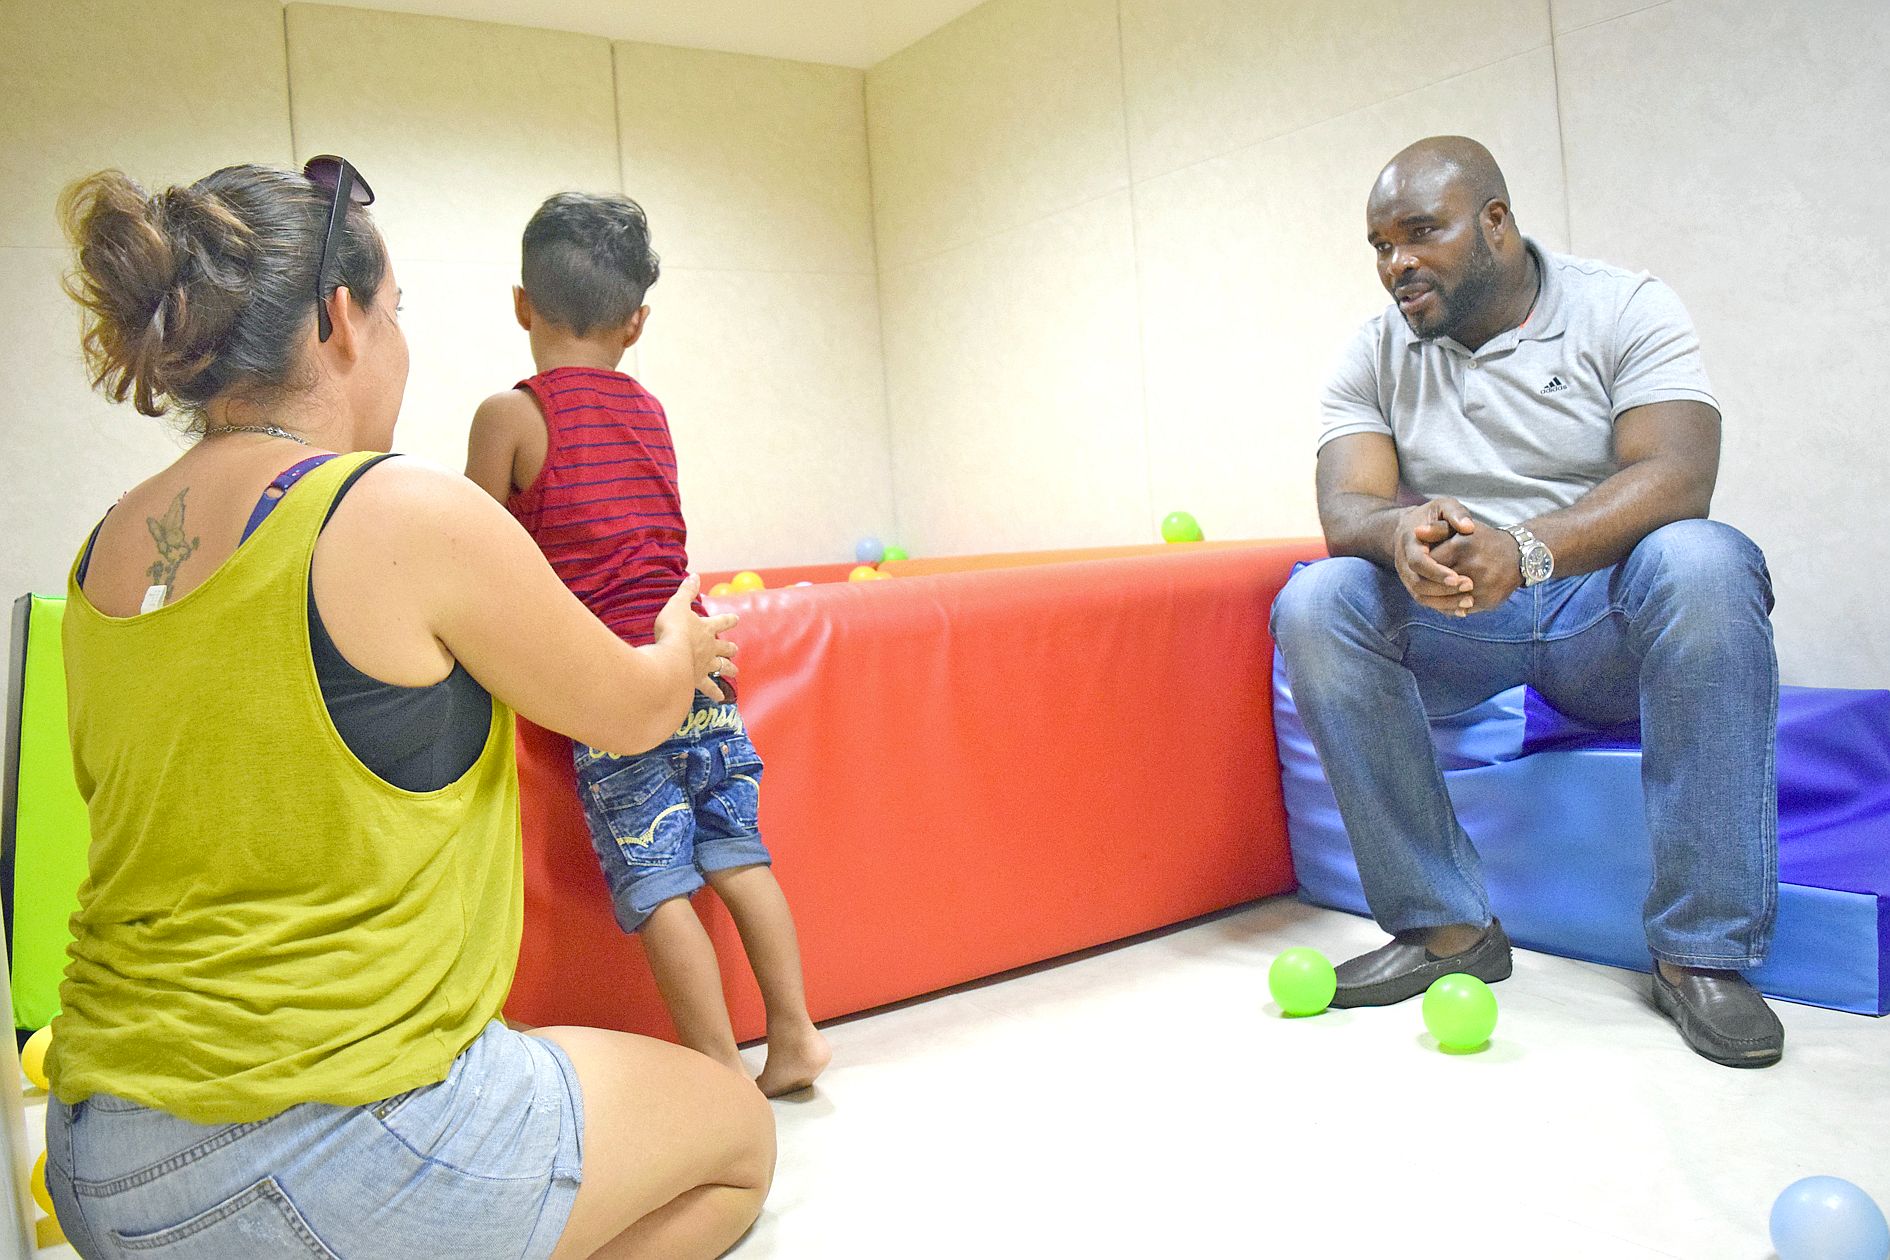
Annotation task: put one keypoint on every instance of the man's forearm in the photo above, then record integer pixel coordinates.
(1361, 525)
(1608, 522)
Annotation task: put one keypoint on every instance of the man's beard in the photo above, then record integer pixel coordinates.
(1460, 304)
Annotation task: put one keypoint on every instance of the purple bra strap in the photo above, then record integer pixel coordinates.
(279, 487)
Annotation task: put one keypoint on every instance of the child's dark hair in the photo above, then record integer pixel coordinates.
(205, 288)
(588, 261)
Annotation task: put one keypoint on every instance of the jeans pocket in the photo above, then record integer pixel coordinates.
(389, 1107)
(131, 1146)
(737, 791)
(643, 807)
(109, 1104)
(492, 1120)
(257, 1222)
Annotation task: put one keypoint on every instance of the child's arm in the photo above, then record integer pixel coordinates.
(493, 445)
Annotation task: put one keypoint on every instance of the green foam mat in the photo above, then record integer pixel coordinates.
(48, 826)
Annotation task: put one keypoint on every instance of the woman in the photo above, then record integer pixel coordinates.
(291, 683)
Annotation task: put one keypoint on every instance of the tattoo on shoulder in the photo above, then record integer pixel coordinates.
(173, 545)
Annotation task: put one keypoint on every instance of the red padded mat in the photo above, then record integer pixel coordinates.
(967, 772)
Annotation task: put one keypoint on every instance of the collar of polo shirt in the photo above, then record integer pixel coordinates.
(1546, 320)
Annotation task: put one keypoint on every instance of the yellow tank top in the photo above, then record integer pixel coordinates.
(265, 921)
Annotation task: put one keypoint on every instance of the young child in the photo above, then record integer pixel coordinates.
(581, 455)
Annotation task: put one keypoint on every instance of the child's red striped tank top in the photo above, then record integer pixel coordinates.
(605, 508)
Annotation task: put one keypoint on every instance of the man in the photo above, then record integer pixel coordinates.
(1554, 419)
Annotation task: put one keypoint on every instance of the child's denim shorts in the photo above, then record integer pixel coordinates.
(663, 819)
(483, 1164)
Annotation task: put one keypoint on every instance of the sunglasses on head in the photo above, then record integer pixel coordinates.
(339, 176)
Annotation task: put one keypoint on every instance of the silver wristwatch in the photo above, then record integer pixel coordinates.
(1537, 561)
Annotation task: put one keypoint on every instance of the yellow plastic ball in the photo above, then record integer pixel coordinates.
(721, 590)
(41, 1195)
(863, 573)
(33, 1056)
(747, 580)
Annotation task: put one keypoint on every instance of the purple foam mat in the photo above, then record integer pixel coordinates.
(1833, 780)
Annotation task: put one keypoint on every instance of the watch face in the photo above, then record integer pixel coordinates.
(1537, 563)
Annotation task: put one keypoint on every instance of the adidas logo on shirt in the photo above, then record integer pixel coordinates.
(1556, 385)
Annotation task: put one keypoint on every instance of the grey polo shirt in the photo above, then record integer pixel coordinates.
(1525, 425)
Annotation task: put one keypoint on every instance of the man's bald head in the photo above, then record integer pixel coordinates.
(1443, 164)
(1448, 249)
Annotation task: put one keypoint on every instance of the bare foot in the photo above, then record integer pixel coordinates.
(795, 1057)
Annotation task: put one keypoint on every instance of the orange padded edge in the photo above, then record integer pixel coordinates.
(924, 565)
(967, 772)
(778, 578)
(1021, 559)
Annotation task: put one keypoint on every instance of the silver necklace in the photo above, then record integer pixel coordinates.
(271, 429)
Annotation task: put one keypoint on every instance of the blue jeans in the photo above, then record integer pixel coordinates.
(1677, 635)
(662, 819)
(484, 1163)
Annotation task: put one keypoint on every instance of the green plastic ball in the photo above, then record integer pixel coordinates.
(1460, 1011)
(1302, 981)
(894, 553)
(1180, 527)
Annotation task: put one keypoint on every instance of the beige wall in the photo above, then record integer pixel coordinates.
(1737, 150)
(463, 128)
(1121, 241)
(79, 96)
(764, 341)
(1104, 255)
(1008, 280)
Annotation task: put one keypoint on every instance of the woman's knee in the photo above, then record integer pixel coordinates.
(660, 1121)
(719, 1129)
(735, 1125)
(750, 1143)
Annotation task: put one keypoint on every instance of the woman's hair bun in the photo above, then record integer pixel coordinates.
(205, 287)
(162, 278)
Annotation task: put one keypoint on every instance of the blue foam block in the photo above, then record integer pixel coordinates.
(1555, 810)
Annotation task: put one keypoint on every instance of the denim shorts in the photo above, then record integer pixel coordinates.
(661, 820)
(484, 1163)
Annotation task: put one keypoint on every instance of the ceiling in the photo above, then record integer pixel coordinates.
(856, 33)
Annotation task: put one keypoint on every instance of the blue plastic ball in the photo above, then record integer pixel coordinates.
(869, 550)
(1828, 1218)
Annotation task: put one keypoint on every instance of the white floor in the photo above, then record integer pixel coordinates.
(1148, 1101)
